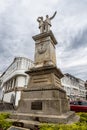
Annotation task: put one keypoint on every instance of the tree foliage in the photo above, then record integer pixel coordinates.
(4, 125)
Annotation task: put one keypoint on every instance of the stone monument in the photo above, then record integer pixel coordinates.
(44, 100)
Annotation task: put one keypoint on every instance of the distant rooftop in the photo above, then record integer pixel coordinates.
(71, 76)
(14, 61)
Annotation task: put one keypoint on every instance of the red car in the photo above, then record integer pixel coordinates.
(78, 106)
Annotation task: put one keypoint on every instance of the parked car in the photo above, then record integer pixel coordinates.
(78, 106)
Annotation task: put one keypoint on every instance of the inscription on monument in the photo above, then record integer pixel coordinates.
(37, 105)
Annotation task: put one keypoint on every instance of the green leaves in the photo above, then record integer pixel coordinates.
(79, 126)
(83, 116)
(3, 123)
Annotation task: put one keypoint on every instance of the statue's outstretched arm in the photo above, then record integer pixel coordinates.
(53, 15)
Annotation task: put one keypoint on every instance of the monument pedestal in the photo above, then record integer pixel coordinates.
(44, 100)
(44, 95)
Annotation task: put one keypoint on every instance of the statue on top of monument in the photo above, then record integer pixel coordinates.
(44, 25)
(41, 24)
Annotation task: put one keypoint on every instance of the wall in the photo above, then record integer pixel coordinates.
(20, 81)
(9, 97)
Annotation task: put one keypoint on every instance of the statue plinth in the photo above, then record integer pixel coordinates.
(45, 49)
(41, 36)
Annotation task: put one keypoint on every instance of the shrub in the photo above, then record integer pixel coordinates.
(76, 126)
(3, 123)
(83, 116)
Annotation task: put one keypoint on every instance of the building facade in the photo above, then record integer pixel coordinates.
(0, 90)
(14, 80)
(74, 87)
(86, 88)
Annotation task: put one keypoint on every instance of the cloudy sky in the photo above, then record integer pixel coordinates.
(18, 24)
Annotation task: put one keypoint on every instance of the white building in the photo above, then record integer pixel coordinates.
(14, 79)
(74, 87)
(86, 88)
(0, 89)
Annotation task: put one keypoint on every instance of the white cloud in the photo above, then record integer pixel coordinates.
(18, 24)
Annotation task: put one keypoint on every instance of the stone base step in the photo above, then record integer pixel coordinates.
(63, 118)
(17, 128)
(33, 120)
(24, 123)
(73, 120)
